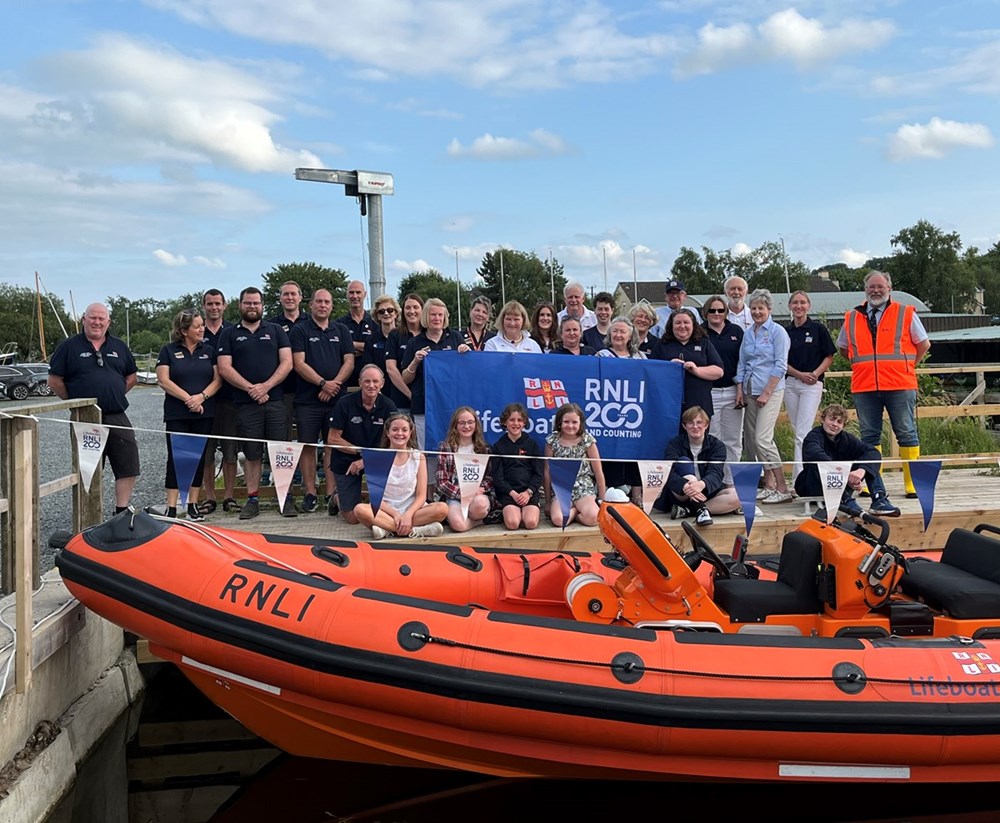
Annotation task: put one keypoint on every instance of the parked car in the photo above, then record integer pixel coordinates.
(41, 373)
(19, 381)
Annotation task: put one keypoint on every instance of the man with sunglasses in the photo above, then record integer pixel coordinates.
(94, 363)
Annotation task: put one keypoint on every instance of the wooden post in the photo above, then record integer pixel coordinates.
(7, 528)
(24, 516)
(88, 508)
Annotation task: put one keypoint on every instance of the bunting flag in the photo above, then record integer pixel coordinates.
(186, 450)
(924, 474)
(377, 466)
(91, 438)
(563, 472)
(833, 476)
(470, 470)
(283, 457)
(654, 474)
(746, 476)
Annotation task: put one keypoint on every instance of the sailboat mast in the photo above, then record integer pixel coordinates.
(41, 319)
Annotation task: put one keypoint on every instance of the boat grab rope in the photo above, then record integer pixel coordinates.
(633, 665)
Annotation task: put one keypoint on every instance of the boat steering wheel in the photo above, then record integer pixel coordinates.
(702, 551)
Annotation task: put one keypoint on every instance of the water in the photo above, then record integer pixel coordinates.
(179, 759)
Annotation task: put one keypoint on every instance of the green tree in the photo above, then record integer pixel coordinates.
(988, 271)
(526, 278)
(309, 276)
(432, 283)
(19, 321)
(689, 269)
(926, 264)
(130, 317)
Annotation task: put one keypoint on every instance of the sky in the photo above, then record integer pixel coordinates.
(148, 149)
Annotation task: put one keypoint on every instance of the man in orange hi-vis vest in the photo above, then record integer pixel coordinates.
(884, 341)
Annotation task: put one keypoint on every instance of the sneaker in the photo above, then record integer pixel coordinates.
(379, 533)
(310, 503)
(764, 493)
(911, 495)
(430, 530)
(882, 506)
(194, 513)
(778, 497)
(703, 517)
(757, 511)
(250, 509)
(332, 508)
(288, 510)
(679, 512)
(851, 508)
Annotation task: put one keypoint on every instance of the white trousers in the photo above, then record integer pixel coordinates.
(758, 430)
(801, 402)
(727, 425)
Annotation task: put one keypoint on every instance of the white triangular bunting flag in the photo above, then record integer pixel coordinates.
(654, 474)
(470, 469)
(833, 476)
(284, 458)
(91, 439)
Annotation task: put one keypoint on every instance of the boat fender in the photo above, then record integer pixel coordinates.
(59, 538)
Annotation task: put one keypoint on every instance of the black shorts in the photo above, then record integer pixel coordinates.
(257, 423)
(348, 490)
(224, 424)
(121, 450)
(313, 421)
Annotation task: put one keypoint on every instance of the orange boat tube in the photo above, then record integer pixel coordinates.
(321, 662)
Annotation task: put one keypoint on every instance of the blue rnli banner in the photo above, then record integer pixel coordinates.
(632, 407)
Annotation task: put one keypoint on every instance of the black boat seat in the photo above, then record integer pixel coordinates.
(795, 591)
(965, 583)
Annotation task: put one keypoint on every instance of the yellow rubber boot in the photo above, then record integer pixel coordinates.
(909, 453)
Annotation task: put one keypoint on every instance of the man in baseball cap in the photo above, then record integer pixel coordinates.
(676, 294)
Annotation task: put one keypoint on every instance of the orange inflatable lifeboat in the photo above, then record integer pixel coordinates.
(848, 662)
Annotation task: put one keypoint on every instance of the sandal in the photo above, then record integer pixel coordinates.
(230, 505)
(206, 506)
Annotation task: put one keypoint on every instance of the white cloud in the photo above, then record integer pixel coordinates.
(933, 140)
(617, 257)
(416, 265)
(203, 110)
(488, 147)
(974, 71)
(168, 259)
(209, 262)
(740, 250)
(785, 35)
(853, 258)
(474, 252)
(504, 43)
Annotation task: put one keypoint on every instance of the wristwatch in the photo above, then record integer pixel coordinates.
(322, 383)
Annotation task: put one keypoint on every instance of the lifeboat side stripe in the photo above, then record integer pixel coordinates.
(310, 541)
(562, 697)
(263, 567)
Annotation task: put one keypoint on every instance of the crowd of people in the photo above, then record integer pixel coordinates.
(357, 382)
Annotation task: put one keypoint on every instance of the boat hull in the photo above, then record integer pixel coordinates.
(323, 669)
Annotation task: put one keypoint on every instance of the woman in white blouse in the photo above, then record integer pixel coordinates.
(512, 331)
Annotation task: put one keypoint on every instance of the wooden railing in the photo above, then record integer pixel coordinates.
(21, 492)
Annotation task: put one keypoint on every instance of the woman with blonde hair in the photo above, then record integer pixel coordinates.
(513, 333)
(643, 317)
(385, 312)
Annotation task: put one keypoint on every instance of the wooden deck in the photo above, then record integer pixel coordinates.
(963, 499)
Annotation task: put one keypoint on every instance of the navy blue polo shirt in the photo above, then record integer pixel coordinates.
(697, 392)
(727, 343)
(810, 345)
(324, 349)
(359, 426)
(376, 351)
(225, 393)
(90, 372)
(395, 346)
(290, 383)
(255, 355)
(361, 330)
(192, 371)
(450, 341)
(593, 337)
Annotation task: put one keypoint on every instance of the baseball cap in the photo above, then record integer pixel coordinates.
(674, 285)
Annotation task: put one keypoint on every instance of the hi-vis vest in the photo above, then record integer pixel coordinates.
(886, 363)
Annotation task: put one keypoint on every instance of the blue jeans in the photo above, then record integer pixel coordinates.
(902, 408)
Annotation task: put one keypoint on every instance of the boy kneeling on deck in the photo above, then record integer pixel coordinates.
(829, 441)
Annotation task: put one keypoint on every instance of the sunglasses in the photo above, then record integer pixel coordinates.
(385, 311)
(100, 359)
(716, 311)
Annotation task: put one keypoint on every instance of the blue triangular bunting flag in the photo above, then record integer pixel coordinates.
(563, 474)
(746, 476)
(924, 474)
(377, 466)
(187, 450)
